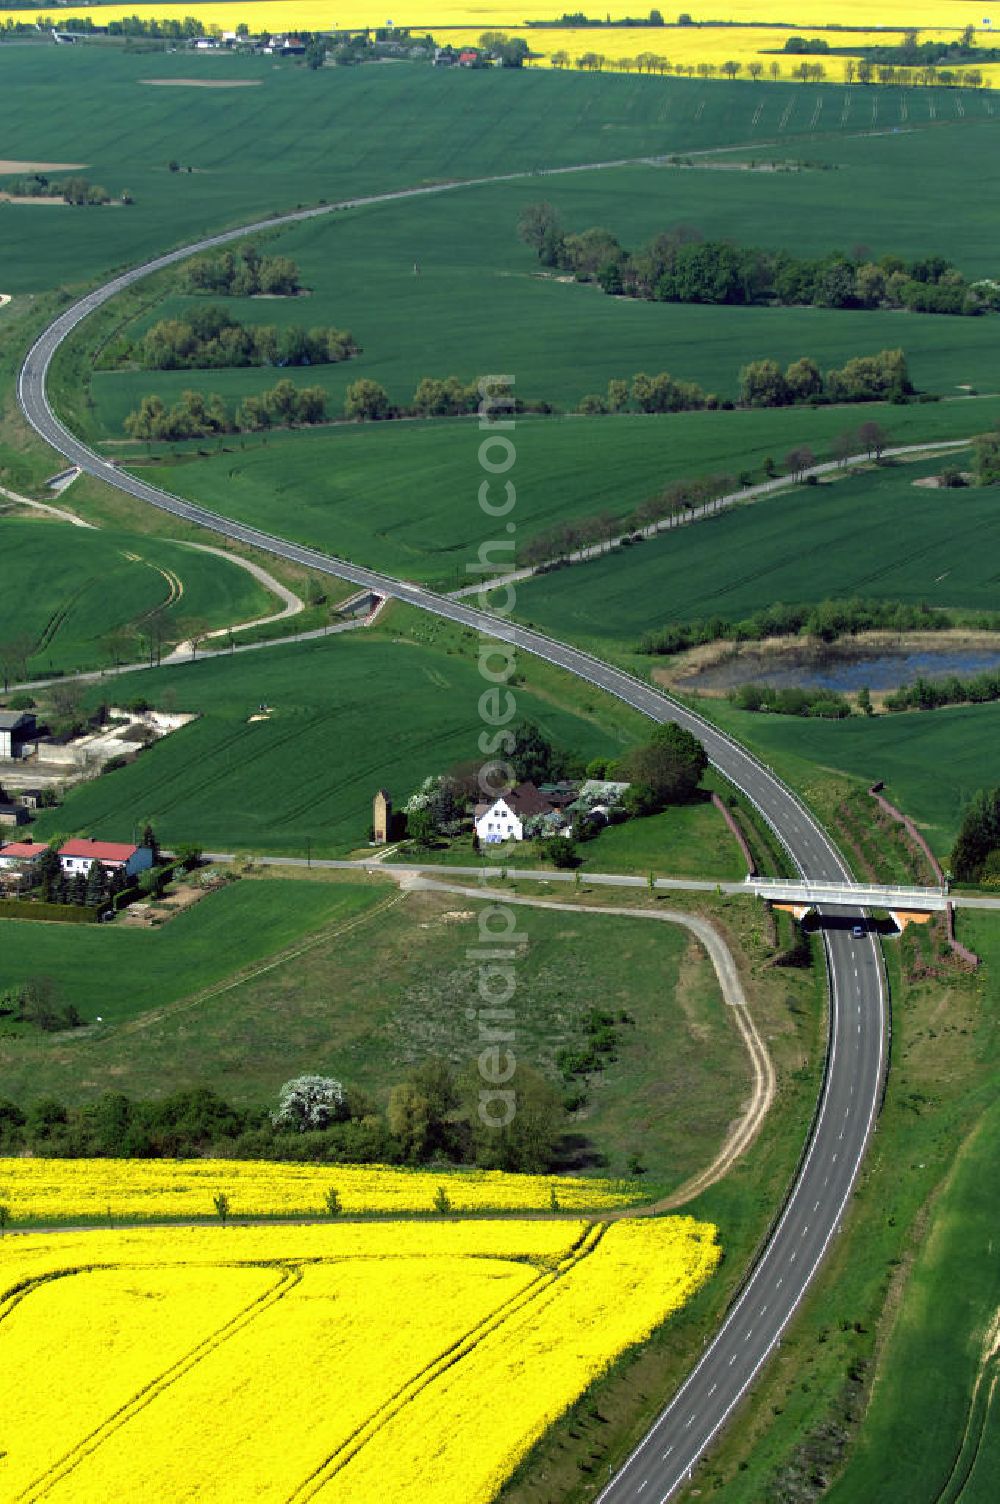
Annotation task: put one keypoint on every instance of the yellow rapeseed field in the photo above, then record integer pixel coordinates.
(425, 15)
(345, 1362)
(681, 47)
(84, 1190)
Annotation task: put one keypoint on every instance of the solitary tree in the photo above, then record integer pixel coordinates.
(365, 399)
(799, 460)
(421, 826)
(844, 445)
(668, 768)
(986, 449)
(4, 1217)
(442, 1201)
(539, 228)
(309, 1102)
(873, 438)
(221, 1204)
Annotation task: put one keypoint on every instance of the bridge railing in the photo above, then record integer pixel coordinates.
(882, 894)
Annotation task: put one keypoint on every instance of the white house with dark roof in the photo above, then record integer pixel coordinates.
(505, 818)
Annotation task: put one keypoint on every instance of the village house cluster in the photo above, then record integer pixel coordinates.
(549, 809)
(525, 812)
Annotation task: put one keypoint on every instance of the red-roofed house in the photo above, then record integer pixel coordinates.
(468, 59)
(78, 855)
(15, 853)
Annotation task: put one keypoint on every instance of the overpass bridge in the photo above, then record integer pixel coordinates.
(848, 895)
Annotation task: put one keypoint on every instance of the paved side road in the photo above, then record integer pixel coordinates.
(488, 874)
(856, 1060)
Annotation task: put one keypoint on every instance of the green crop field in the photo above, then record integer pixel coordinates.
(119, 973)
(344, 716)
(327, 134)
(874, 534)
(76, 593)
(403, 497)
(562, 340)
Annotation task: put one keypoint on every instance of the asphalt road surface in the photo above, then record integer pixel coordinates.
(857, 1055)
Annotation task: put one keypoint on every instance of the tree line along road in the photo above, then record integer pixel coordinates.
(858, 1016)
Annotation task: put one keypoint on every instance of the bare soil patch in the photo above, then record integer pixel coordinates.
(149, 915)
(11, 164)
(13, 198)
(936, 482)
(202, 83)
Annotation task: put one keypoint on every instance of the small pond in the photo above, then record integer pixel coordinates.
(845, 670)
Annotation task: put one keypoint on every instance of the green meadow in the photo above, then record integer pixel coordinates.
(402, 497)
(873, 533)
(343, 717)
(677, 1079)
(80, 597)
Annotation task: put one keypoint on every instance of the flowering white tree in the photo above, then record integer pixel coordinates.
(309, 1102)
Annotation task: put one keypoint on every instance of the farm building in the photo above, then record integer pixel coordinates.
(77, 856)
(12, 814)
(18, 732)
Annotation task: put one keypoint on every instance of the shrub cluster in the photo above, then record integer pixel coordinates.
(867, 378)
(73, 190)
(432, 1115)
(242, 273)
(827, 621)
(210, 338)
(35, 1003)
(929, 694)
(681, 266)
(976, 855)
(196, 416)
(986, 452)
(824, 703)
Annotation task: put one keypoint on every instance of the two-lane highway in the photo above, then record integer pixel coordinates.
(856, 1058)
